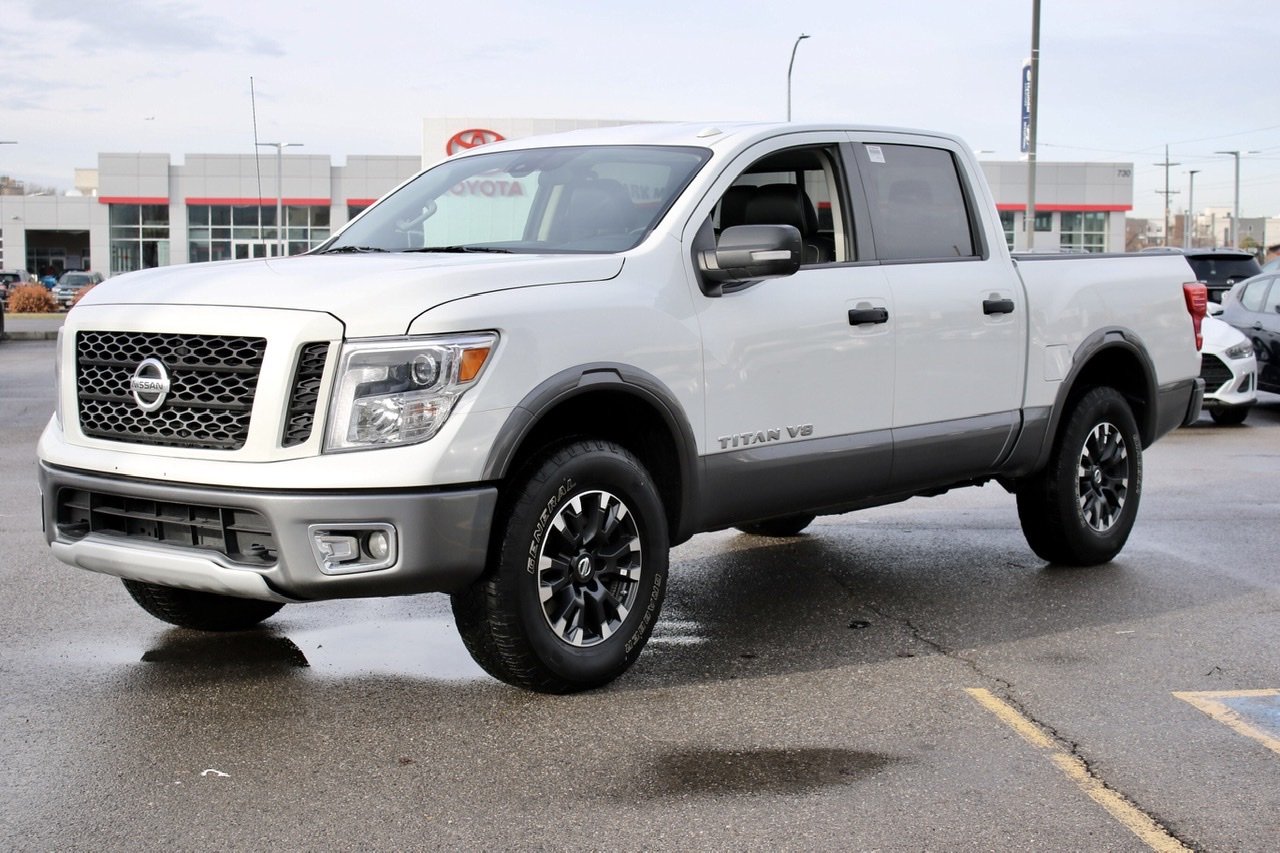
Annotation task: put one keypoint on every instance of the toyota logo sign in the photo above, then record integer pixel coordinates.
(473, 138)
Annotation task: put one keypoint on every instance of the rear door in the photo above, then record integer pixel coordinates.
(959, 310)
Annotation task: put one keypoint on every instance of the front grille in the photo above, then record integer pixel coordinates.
(1214, 372)
(301, 415)
(212, 382)
(241, 535)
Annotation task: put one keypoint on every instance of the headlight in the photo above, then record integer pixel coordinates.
(1244, 349)
(391, 393)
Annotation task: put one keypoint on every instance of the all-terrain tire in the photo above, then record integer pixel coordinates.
(1079, 510)
(577, 572)
(201, 611)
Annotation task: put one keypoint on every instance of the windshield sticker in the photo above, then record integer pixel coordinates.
(875, 153)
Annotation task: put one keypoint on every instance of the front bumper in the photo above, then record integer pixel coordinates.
(442, 535)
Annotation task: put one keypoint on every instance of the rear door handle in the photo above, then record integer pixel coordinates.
(997, 306)
(858, 316)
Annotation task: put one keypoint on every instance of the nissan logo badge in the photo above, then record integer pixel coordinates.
(150, 385)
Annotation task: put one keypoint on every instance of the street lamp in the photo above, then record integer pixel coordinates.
(1189, 228)
(1236, 215)
(279, 146)
(791, 65)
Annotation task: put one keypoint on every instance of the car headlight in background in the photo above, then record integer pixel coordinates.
(1244, 349)
(397, 392)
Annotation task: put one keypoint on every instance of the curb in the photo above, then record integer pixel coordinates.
(26, 335)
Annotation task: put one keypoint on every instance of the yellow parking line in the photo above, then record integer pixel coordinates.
(1207, 701)
(1130, 816)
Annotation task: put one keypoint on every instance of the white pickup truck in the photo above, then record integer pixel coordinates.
(524, 375)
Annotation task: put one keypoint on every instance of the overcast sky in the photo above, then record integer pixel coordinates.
(1119, 80)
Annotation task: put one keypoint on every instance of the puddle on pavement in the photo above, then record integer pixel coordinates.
(423, 647)
(777, 771)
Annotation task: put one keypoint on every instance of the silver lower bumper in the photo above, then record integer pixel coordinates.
(442, 535)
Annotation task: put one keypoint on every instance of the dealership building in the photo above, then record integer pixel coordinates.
(136, 211)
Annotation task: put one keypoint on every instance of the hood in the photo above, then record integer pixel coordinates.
(373, 294)
(1220, 336)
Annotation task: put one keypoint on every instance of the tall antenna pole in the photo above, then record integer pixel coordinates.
(1030, 223)
(257, 161)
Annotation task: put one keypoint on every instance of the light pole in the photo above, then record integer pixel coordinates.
(1235, 217)
(1033, 106)
(1189, 229)
(279, 146)
(791, 65)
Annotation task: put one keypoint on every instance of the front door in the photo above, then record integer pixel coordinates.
(798, 370)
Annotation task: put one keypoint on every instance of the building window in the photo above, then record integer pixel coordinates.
(1083, 232)
(1006, 223)
(1044, 221)
(219, 232)
(139, 236)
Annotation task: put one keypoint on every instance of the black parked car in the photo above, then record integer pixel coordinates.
(1219, 269)
(1254, 308)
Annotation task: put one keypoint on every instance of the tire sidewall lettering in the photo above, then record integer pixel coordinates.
(544, 520)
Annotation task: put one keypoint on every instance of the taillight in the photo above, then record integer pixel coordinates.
(1197, 296)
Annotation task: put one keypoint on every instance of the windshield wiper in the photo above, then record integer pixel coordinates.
(351, 250)
(490, 249)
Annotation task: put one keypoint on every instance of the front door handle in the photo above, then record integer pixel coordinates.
(858, 316)
(997, 306)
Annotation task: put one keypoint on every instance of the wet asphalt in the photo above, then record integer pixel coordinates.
(801, 694)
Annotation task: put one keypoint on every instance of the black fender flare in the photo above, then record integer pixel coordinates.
(1109, 338)
(582, 379)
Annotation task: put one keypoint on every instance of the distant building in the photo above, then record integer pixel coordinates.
(136, 211)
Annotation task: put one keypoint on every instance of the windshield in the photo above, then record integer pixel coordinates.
(75, 280)
(576, 199)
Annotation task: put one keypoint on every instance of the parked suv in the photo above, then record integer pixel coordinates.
(9, 279)
(1219, 269)
(72, 283)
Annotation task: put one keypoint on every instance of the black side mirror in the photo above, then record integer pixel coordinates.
(746, 253)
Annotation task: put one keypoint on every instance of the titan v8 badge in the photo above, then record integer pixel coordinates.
(764, 436)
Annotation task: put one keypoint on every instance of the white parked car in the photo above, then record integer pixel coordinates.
(1230, 372)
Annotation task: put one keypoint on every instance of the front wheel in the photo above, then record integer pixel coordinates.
(577, 573)
(1079, 510)
(202, 611)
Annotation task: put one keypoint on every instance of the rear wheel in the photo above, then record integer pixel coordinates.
(1079, 510)
(202, 611)
(788, 525)
(576, 576)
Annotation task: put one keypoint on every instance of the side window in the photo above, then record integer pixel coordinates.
(1251, 298)
(797, 187)
(918, 209)
(1271, 305)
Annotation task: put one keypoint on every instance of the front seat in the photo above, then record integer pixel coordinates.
(597, 208)
(788, 204)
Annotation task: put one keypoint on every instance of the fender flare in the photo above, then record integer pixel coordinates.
(1109, 338)
(575, 381)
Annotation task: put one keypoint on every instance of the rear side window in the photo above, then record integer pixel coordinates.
(1218, 270)
(918, 209)
(1251, 298)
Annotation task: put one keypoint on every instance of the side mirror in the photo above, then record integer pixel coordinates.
(747, 252)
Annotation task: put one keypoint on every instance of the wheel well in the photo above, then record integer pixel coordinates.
(625, 419)
(1118, 368)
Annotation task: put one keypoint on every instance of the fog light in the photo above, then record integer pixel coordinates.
(378, 545)
(342, 549)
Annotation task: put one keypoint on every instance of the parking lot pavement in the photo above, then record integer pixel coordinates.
(819, 692)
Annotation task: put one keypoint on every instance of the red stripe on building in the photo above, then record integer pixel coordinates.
(132, 199)
(264, 202)
(361, 202)
(1066, 208)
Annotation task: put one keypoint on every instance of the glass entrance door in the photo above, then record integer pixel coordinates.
(245, 249)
